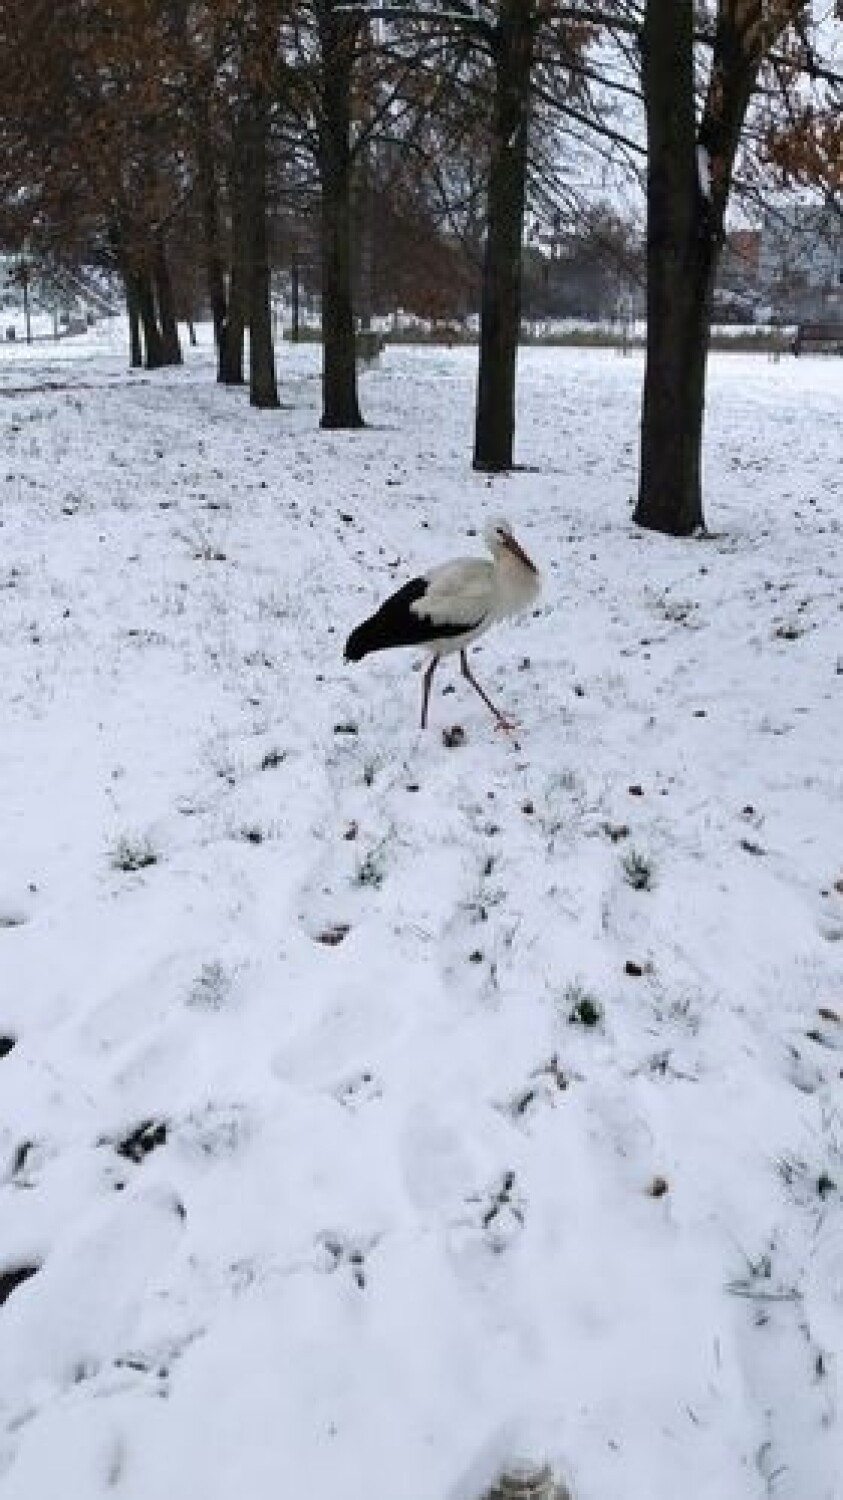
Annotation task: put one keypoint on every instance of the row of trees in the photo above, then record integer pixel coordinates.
(159, 132)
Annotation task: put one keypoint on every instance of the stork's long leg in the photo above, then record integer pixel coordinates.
(467, 673)
(427, 680)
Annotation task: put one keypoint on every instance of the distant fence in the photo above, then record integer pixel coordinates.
(818, 338)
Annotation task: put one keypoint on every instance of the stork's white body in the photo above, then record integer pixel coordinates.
(447, 608)
(475, 593)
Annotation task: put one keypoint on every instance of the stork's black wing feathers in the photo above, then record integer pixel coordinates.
(396, 624)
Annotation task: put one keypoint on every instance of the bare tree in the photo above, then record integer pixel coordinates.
(512, 41)
(690, 170)
(338, 32)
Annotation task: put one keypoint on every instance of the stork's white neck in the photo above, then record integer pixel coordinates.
(516, 585)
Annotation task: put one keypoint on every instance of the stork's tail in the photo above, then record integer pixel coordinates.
(397, 623)
(360, 642)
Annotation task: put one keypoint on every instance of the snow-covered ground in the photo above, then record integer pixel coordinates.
(328, 1182)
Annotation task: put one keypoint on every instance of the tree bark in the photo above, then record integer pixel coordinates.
(166, 305)
(210, 215)
(337, 33)
(116, 241)
(689, 175)
(133, 310)
(154, 356)
(679, 280)
(232, 347)
(199, 66)
(263, 390)
(500, 310)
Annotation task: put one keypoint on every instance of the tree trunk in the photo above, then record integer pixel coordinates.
(263, 391)
(688, 181)
(130, 286)
(500, 309)
(153, 342)
(199, 65)
(133, 310)
(166, 305)
(679, 280)
(340, 405)
(210, 214)
(364, 233)
(295, 294)
(232, 349)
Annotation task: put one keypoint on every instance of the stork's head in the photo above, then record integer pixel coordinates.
(501, 542)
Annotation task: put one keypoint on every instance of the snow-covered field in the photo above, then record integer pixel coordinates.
(380, 1108)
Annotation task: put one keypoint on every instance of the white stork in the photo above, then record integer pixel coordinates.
(449, 607)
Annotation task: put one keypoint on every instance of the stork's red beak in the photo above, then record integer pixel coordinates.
(517, 551)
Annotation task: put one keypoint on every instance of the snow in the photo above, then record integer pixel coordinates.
(406, 1217)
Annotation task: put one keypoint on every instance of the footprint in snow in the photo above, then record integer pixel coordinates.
(336, 1252)
(544, 1088)
(361, 1088)
(436, 1164)
(12, 916)
(217, 1130)
(502, 1211)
